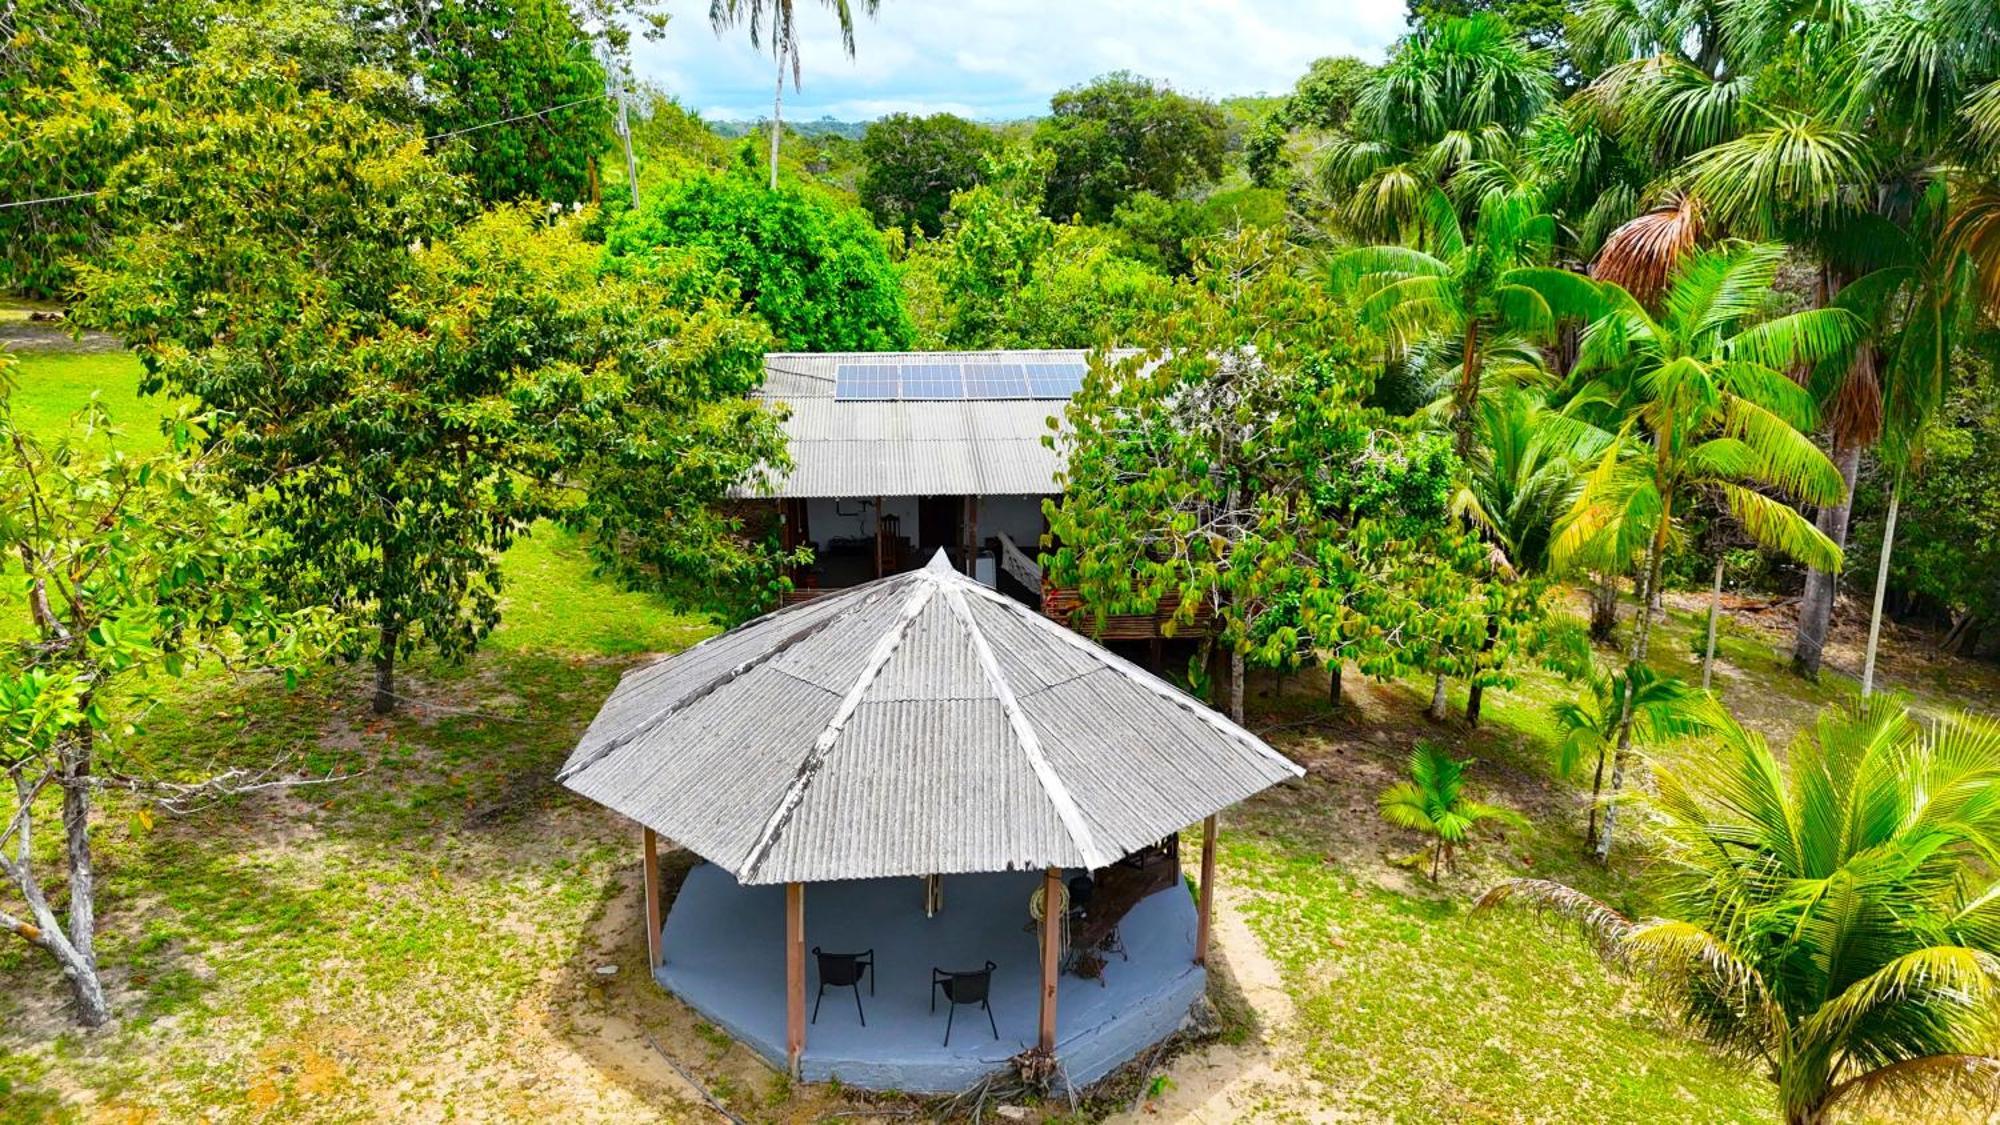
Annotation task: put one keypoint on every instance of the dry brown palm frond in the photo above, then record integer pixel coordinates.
(1854, 414)
(1604, 926)
(1642, 254)
(1975, 231)
(1917, 1085)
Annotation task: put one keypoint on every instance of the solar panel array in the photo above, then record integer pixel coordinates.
(932, 380)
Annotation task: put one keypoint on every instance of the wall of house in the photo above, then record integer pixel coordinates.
(1019, 517)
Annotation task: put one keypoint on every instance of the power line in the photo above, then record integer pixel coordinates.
(6, 204)
(516, 117)
(52, 199)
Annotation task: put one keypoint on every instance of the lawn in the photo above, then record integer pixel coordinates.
(429, 939)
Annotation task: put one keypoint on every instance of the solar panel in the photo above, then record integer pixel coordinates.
(996, 380)
(932, 380)
(935, 380)
(1054, 380)
(866, 381)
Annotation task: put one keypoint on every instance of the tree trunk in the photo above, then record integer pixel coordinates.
(1603, 608)
(1476, 693)
(1467, 398)
(1236, 686)
(385, 669)
(1596, 795)
(1714, 612)
(1816, 607)
(777, 110)
(1333, 682)
(1640, 633)
(1436, 712)
(1881, 586)
(80, 965)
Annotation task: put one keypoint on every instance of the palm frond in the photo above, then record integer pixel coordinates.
(1642, 254)
(1917, 1086)
(1600, 924)
(1778, 527)
(1798, 171)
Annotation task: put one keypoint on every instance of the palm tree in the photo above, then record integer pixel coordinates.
(1523, 469)
(1477, 298)
(783, 30)
(1663, 708)
(1433, 802)
(1457, 92)
(1702, 406)
(1839, 922)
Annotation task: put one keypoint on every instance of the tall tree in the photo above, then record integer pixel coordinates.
(412, 390)
(914, 165)
(811, 266)
(1473, 295)
(1453, 93)
(1230, 467)
(777, 20)
(1122, 134)
(1702, 404)
(1832, 916)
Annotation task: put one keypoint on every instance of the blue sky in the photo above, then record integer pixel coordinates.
(997, 59)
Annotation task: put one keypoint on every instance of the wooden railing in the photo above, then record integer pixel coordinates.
(1065, 604)
(1025, 570)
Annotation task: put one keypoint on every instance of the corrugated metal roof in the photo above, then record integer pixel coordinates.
(916, 447)
(919, 724)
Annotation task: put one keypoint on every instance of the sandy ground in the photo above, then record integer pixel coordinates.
(1252, 1081)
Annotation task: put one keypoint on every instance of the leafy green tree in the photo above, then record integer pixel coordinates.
(1003, 275)
(1229, 465)
(916, 164)
(1321, 101)
(1702, 404)
(777, 21)
(1165, 233)
(1833, 916)
(506, 61)
(816, 271)
(1122, 134)
(1433, 802)
(412, 393)
(131, 571)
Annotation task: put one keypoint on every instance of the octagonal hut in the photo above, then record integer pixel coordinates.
(929, 764)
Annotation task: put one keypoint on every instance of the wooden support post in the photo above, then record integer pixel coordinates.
(1051, 954)
(972, 537)
(651, 873)
(795, 974)
(880, 549)
(1207, 891)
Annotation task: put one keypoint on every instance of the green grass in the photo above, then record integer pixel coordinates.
(1417, 1010)
(52, 387)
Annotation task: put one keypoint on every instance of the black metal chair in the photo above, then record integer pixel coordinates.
(843, 970)
(972, 987)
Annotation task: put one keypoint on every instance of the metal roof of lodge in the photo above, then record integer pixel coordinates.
(919, 724)
(980, 439)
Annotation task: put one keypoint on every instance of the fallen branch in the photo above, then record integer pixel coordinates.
(688, 1076)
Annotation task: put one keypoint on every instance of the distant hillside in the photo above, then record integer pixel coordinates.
(824, 127)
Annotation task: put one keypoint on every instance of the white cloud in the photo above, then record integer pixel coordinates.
(1001, 59)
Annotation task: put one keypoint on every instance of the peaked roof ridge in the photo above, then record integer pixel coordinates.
(1134, 674)
(921, 593)
(868, 596)
(1025, 736)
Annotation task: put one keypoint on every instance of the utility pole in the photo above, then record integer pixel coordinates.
(614, 81)
(625, 134)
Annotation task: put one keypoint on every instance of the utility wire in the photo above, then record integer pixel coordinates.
(52, 199)
(6, 204)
